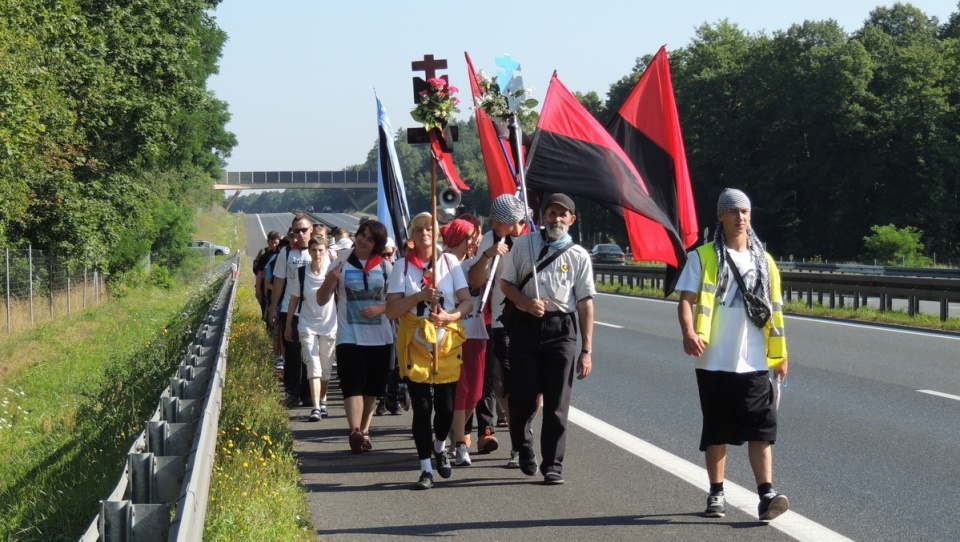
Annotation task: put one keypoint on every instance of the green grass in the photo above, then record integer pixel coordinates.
(255, 493)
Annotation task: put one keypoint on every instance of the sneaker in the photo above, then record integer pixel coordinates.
(772, 504)
(502, 422)
(392, 405)
(323, 411)
(553, 478)
(443, 465)
(381, 408)
(716, 505)
(514, 462)
(529, 466)
(356, 441)
(463, 456)
(315, 415)
(425, 481)
(487, 443)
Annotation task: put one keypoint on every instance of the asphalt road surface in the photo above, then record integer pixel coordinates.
(867, 449)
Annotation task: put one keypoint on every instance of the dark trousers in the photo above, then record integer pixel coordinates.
(424, 403)
(486, 408)
(294, 371)
(543, 353)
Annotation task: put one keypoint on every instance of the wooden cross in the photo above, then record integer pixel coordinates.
(429, 66)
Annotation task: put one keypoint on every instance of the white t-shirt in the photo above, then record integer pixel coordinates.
(287, 268)
(406, 279)
(736, 345)
(322, 320)
(473, 323)
(352, 327)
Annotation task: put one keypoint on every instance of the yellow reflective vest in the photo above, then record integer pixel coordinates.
(706, 303)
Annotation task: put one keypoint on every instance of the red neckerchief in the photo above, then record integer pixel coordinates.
(413, 258)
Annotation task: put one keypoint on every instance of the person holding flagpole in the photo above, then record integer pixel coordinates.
(429, 299)
(544, 356)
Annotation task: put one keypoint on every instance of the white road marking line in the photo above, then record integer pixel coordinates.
(790, 523)
(941, 394)
(263, 231)
(608, 325)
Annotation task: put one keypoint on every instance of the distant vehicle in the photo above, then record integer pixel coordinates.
(327, 209)
(209, 249)
(607, 254)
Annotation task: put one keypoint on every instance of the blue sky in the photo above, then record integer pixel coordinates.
(299, 75)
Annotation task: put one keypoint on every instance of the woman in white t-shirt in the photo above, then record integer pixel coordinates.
(364, 334)
(317, 325)
(429, 300)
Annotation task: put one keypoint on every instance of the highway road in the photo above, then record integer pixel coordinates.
(867, 448)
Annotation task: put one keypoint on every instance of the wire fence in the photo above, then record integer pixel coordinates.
(39, 285)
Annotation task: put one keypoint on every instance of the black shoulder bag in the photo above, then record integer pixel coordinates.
(757, 309)
(510, 309)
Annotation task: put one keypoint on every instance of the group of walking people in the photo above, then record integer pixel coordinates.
(450, 313)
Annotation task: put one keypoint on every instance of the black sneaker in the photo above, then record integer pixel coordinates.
(716, 505)
(552, 478)
(381, 408)
(529, 466)
(772, 504)
(425, 481)
(443, 465)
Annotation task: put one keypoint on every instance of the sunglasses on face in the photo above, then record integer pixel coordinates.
(300, 230)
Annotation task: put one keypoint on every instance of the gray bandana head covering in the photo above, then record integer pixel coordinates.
(731, 198)
(508, 209)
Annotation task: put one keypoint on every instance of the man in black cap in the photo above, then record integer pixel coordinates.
(543, 335)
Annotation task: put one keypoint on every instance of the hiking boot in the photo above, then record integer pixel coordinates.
(463, 456)
(315, 415)
(716, 505)
(487, 443)
(514, 462)
(425, 481)
(356, 441)
(772, 504)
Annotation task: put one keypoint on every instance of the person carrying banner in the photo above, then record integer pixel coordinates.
(735, 353)
(430, 300)
(508, 215)
(543, 335)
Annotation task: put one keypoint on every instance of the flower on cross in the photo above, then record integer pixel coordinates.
(436, 104)
(496, 104)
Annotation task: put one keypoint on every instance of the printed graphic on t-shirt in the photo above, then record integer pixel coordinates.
(358, 297)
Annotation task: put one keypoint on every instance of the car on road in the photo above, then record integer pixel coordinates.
(209, 249)
(327, 209)
(606, 253)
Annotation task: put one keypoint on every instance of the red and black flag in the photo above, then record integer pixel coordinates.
(496, 156)
(572, 153)
(648, 130)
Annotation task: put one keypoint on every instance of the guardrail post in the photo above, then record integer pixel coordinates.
(944, 309)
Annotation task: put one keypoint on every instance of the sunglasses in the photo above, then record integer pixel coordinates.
(300, 230)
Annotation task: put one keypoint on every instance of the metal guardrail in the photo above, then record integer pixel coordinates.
(880, 270)
(170, 463)
(829, 286)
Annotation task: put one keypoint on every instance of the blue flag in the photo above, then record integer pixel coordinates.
(392, 209)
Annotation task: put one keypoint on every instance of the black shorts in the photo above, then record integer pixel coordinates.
(363, 370)
(737, 408)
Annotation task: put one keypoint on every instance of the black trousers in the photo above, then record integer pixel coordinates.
(543, 353)
(294, 371)
(423, 402)
(487, 405)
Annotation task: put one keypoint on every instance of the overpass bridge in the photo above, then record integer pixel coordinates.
(287, 180)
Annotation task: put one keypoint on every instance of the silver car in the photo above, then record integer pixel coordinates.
(209, 249)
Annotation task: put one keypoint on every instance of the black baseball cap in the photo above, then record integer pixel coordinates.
(562, 200)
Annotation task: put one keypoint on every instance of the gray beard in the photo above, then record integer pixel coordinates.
(557, 230)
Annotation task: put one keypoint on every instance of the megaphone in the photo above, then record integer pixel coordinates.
(449, 198)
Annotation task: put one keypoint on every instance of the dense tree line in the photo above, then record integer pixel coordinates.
(831, 133)
(108, 135)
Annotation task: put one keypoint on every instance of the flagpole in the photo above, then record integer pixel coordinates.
(435, 369)
(515, 135)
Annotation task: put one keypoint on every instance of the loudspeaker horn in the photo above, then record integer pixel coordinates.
(449, 198)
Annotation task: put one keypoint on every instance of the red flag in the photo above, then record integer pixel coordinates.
(648, 130)
(573, 154)
(496, 156)
(445, 160)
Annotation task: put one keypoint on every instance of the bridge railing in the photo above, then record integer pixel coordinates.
(831, 287)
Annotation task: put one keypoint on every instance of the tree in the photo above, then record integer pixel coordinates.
(895, 246)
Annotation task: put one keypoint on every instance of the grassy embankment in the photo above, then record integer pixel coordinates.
(75, 391)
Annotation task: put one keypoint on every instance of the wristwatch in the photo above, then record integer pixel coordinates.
(585, 351)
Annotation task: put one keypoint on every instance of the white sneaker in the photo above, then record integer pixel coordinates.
(463, 456)
(514, 462)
